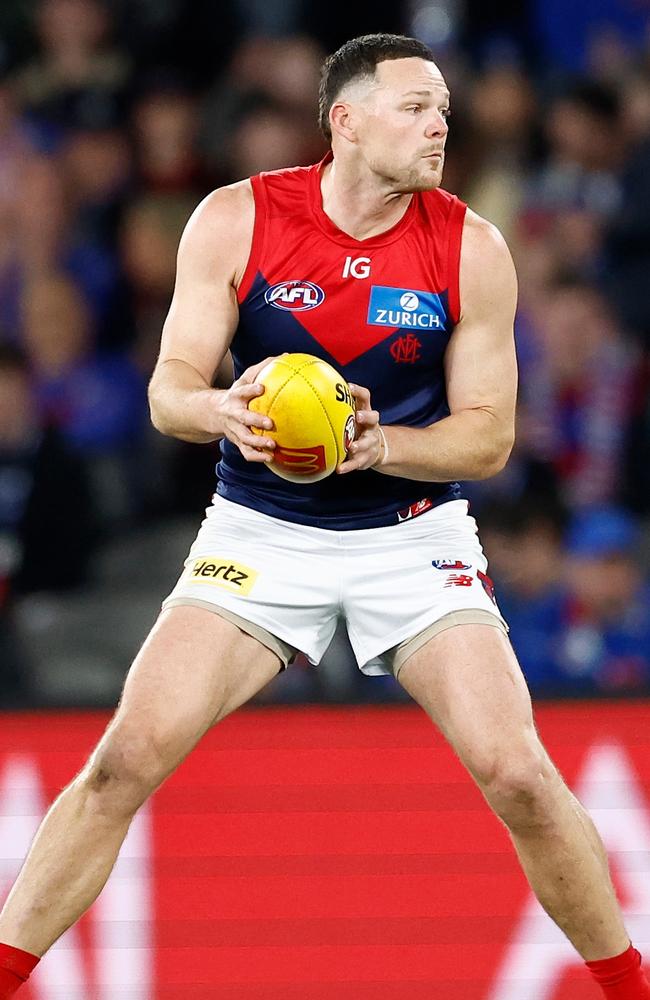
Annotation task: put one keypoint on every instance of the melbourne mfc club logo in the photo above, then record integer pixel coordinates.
(406, 349)
(294, 296)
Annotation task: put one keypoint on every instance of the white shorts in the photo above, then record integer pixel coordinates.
(394, 586)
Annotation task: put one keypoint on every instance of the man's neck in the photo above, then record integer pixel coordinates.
(357, 204)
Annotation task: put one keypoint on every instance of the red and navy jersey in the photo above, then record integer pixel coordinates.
(381, 311)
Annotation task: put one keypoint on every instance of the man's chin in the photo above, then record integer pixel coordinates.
(432, 181)
(428, 181)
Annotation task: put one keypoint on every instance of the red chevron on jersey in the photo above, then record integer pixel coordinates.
(325, 278)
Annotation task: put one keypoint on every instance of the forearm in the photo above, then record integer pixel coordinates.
(470, 444)
(182, 404)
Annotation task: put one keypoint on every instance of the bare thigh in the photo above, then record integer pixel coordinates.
(194, 668)
(469, 682)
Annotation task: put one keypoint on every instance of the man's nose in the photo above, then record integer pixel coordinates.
(437, 125)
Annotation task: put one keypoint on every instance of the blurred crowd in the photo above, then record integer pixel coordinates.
(117, 117)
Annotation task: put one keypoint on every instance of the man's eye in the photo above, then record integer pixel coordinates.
(446, 113)
(414, 107)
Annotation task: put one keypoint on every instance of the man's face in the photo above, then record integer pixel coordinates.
(605, 584)
(401, 123)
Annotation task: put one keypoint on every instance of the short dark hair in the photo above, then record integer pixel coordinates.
(358, 58)
(593, 97)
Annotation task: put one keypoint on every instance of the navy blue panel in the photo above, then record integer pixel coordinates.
(404, 373)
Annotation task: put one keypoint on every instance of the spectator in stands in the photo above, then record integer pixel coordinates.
(627, 248)
(15, 145)
(76, 67)
(576, 601)
(503, 116)
(578, 393)
(565, 33)
(151, 228)
(96, 167)
(97, 400)
(40, 236)
(605, 646)
(524, 544)
(95, 160)
(48, 526)
(584, 132)
(165, 121)
(579, 400)
(578, 188)
(265, 138)
(272, 84)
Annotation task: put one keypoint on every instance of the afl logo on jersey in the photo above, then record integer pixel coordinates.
(294, 296)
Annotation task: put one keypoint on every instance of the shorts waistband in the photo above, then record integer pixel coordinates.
(440, 513)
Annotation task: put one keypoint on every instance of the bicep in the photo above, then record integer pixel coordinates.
(200, 324)
(204, 313)
(480, 362)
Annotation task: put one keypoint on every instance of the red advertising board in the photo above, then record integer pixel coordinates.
(312, 854)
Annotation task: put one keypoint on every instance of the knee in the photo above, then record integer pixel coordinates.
(121, 774)
(521, 786)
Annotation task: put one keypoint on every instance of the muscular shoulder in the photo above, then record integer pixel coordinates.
(220, 231)
(482, 239)
(487, 272)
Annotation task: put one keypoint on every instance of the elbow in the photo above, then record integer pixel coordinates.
(157, 422)
(504, 452)
(155, 412)
(498, 458)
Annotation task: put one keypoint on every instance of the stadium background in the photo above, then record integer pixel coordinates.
(115, 119)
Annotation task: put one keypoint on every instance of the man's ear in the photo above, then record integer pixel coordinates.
(342, 119)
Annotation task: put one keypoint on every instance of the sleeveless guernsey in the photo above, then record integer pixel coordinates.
(381, 311)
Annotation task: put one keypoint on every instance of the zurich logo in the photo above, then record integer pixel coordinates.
(409, 301)
(406, 308)
(294, 296)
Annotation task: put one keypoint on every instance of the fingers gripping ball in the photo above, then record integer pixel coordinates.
(313, 411)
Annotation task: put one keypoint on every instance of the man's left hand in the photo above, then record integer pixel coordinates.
(367, 449)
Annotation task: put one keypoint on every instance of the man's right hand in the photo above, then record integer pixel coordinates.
(237, 420)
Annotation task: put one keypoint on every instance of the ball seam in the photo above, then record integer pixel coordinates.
(292, 371)
(322, 403)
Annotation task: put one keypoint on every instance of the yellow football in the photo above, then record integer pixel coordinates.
(312, 409)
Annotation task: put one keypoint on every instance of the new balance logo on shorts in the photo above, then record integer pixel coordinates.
(417, 508)
(459, 580)
(222, 573)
